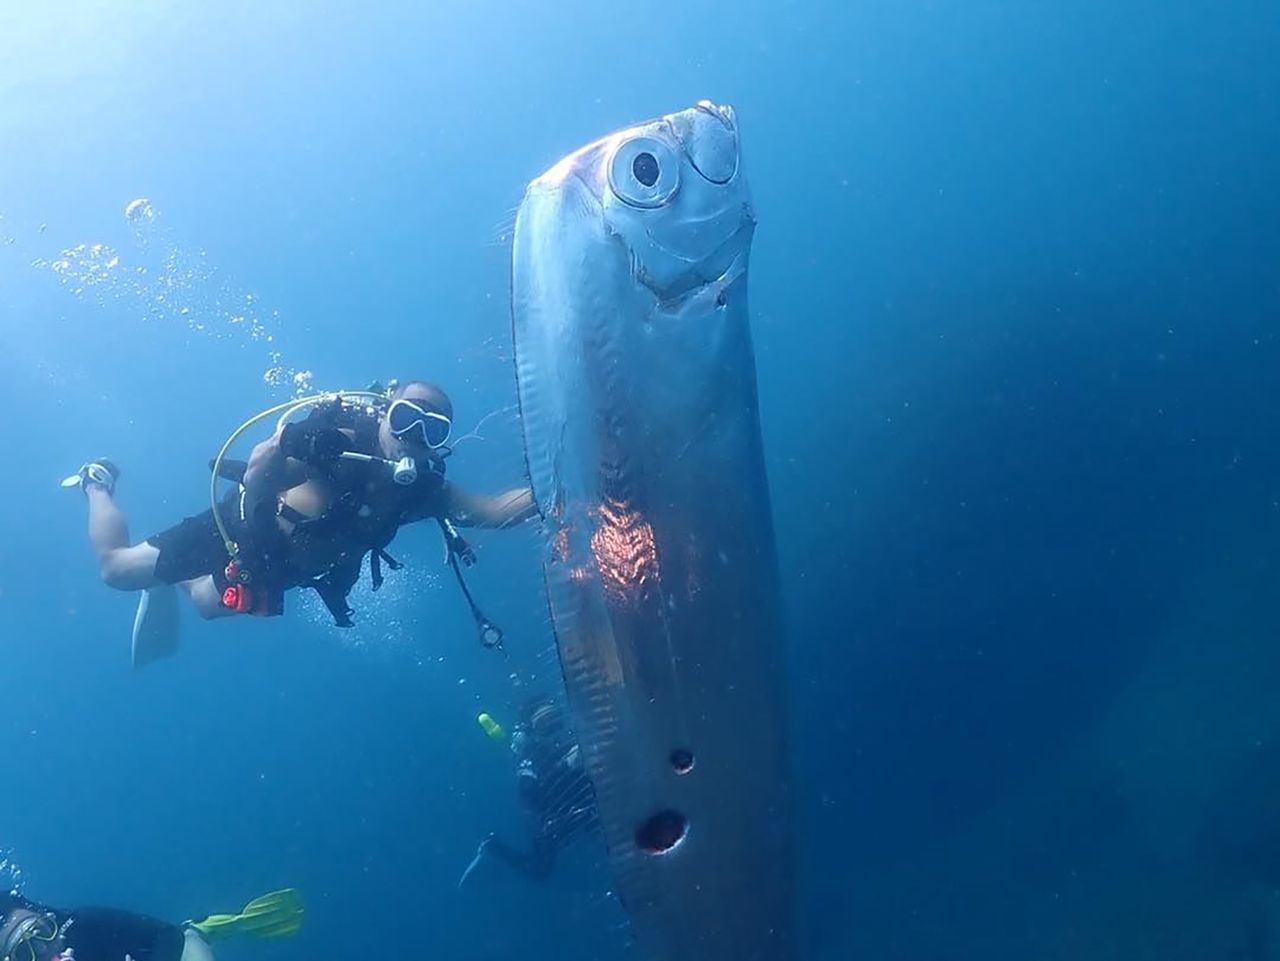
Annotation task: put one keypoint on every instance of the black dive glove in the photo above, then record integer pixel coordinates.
(313, 443)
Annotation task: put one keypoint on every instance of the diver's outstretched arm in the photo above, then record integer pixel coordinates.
(481, 510)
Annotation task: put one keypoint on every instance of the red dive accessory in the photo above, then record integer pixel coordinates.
(237, 595)
(244, 597)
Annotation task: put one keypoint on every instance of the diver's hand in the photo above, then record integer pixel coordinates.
(314, 445)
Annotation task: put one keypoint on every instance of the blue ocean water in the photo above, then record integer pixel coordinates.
(1016, 305)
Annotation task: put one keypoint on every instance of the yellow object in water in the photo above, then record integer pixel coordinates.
(491, 727)
(274, 915)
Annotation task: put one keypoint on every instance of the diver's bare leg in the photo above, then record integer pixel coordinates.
(108, 530)
(124, 567)
(204, 595)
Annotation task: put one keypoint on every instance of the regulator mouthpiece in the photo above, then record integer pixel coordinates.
(404, 471)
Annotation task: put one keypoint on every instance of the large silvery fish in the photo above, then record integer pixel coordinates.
(638, 403)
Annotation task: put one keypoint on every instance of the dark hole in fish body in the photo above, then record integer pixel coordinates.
(721, 300)
(645, 167)
(682, 760)
(662, 832)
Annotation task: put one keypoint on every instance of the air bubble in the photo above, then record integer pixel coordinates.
(139, 210)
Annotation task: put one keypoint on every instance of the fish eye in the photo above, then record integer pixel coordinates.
(644, 172)
(645, 168)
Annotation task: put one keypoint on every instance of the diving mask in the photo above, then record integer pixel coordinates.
(406, 416)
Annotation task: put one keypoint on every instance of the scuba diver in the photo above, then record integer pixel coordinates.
(312, 500)
(552, 787)
(36, 932)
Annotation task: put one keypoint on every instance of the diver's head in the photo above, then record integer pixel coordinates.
(418, 421)
(29, 935)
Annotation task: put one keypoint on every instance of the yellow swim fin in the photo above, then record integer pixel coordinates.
(276, 914)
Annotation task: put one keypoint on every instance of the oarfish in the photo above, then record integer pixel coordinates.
(637, 390)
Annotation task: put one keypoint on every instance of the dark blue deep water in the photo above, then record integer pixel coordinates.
(1016, 302)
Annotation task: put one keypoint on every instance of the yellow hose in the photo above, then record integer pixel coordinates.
(284, 410)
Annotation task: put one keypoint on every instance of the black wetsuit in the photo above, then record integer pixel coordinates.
(104, 934)
(558, 796)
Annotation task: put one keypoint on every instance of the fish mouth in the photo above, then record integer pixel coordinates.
(693, 276)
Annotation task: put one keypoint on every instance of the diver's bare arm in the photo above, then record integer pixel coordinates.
(481, 510)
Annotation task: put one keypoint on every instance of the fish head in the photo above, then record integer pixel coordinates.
(671, 192)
